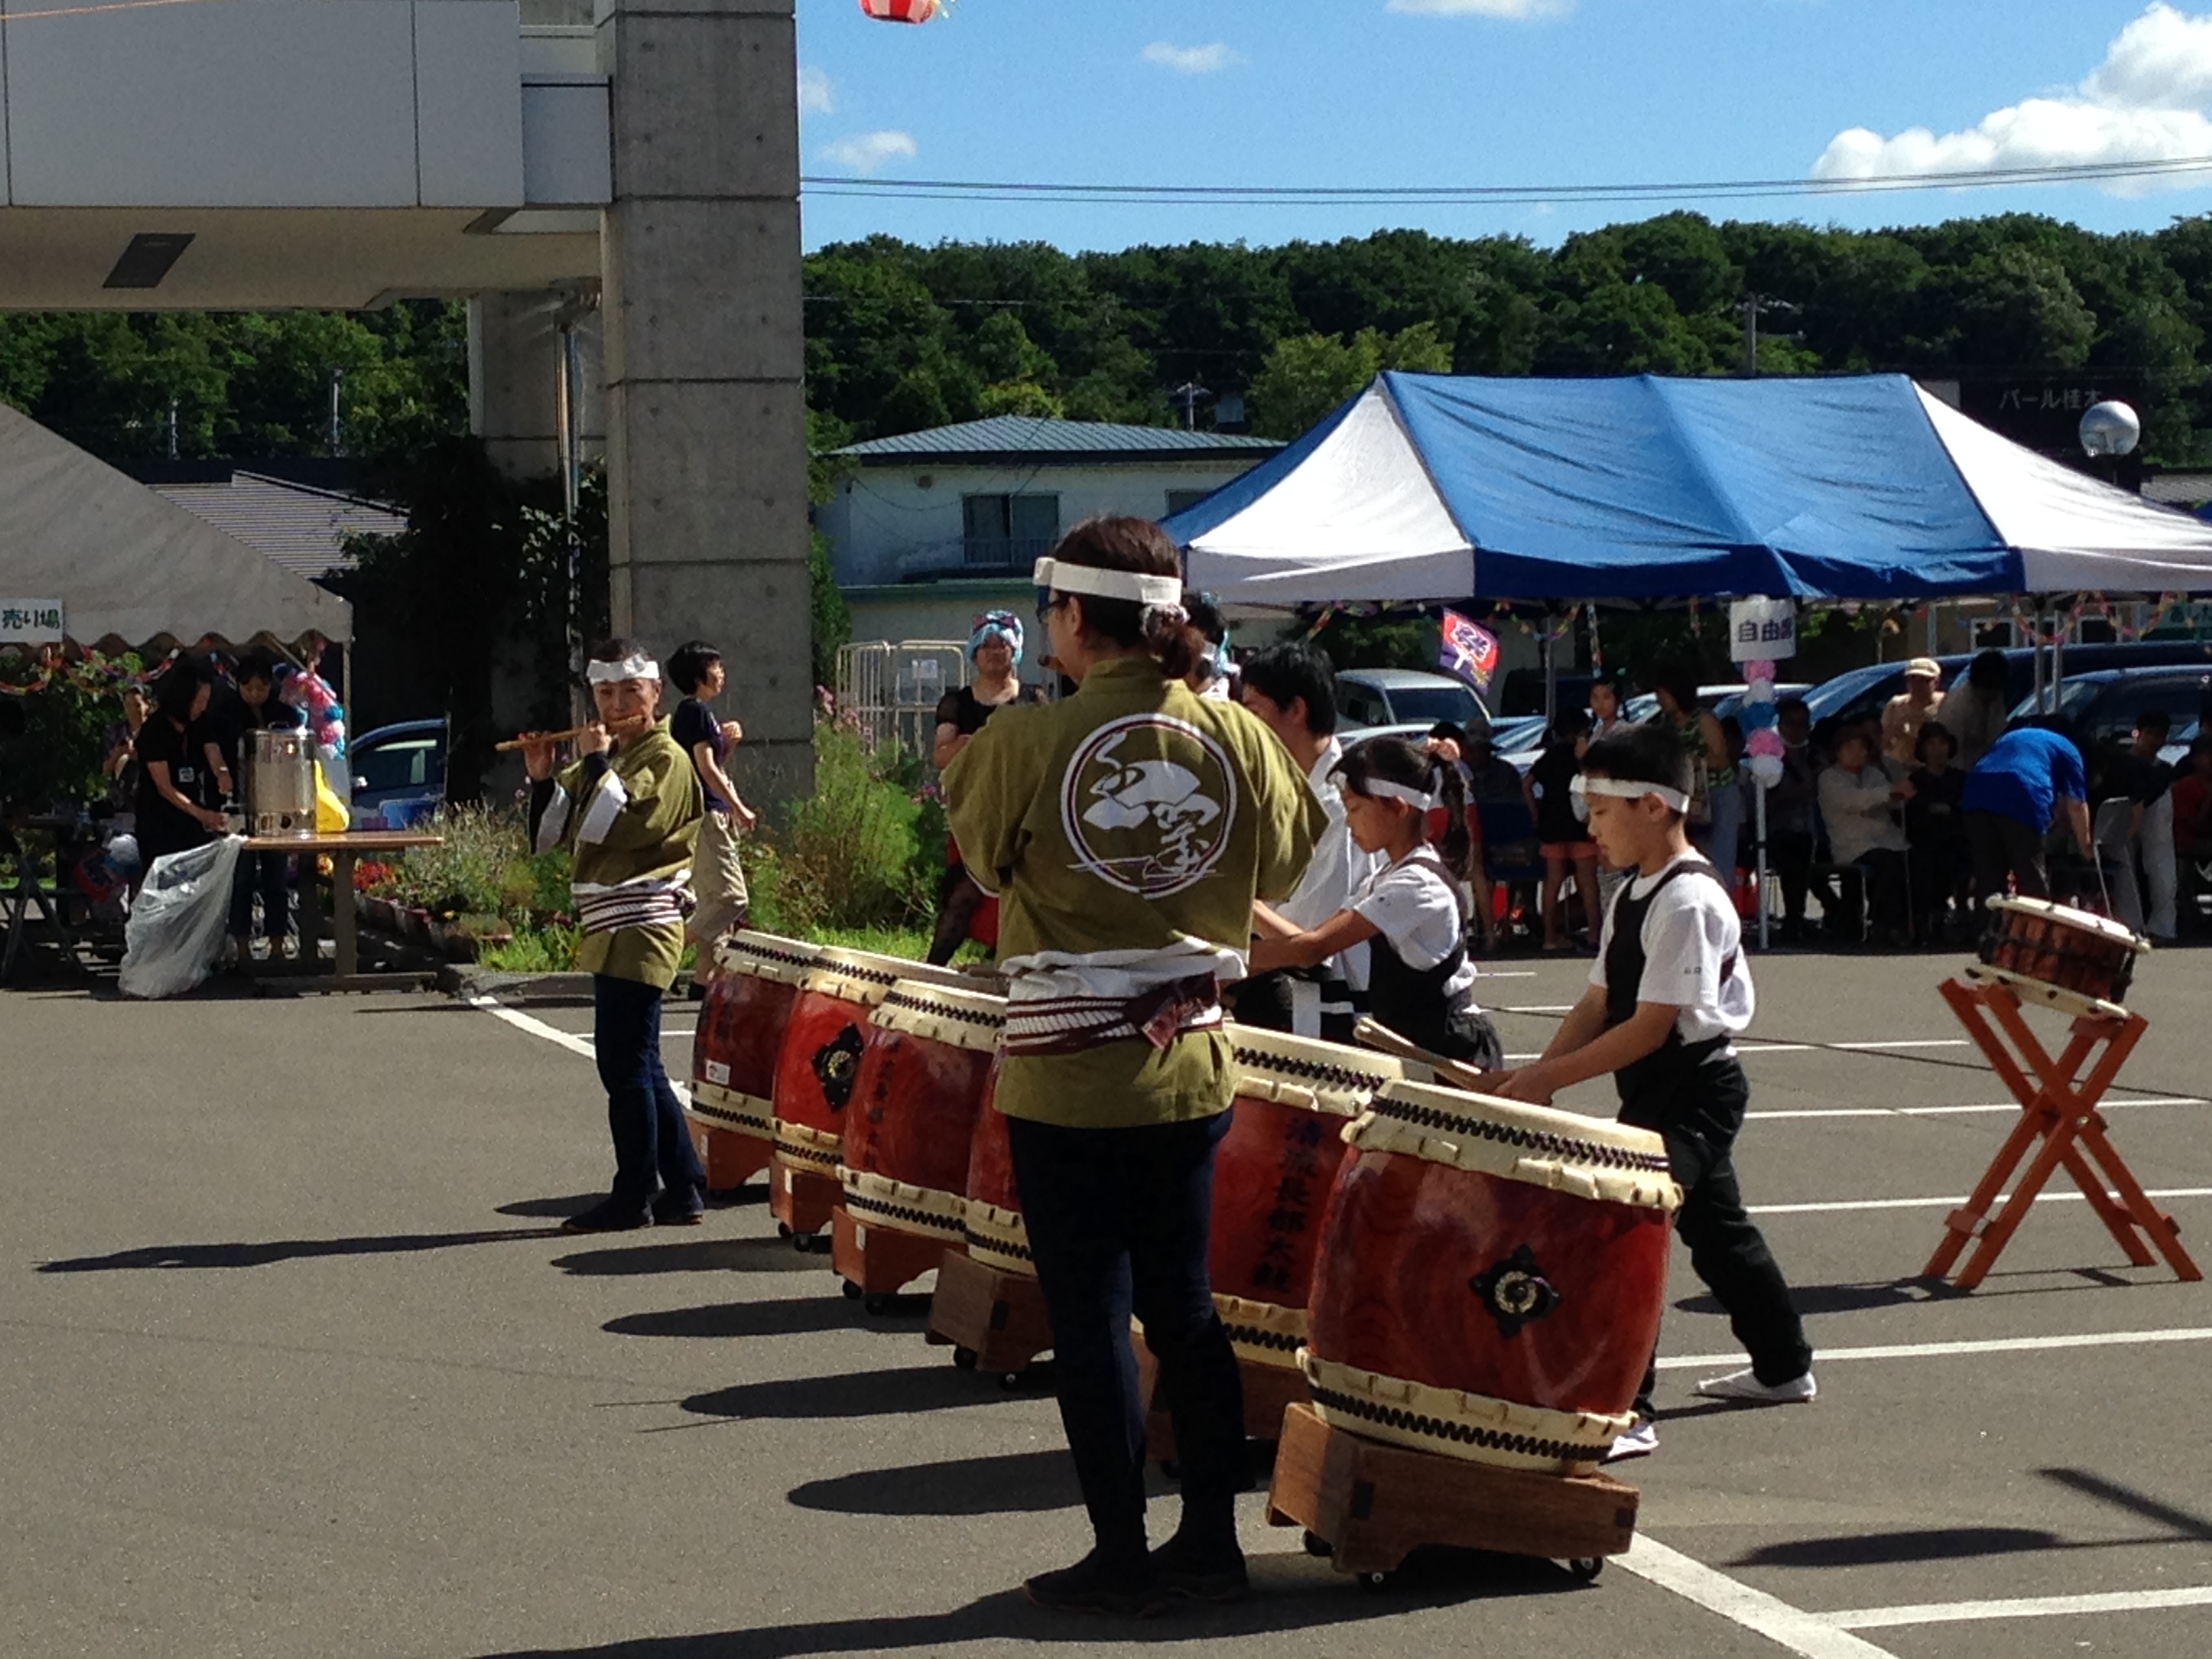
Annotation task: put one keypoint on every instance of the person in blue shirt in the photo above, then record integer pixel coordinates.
(2025, 779)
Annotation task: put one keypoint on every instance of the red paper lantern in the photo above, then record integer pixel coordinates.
(900, 11)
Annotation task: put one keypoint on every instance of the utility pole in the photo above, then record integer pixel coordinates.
(173, 428)
(337, 428)
(1749, 307)
(1187, 395)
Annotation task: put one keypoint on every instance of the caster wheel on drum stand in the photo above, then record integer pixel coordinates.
(852, 1290)
(877, 1306)
(964, 1359)
(1170, 1468)
(1012, 1382)
(1376, 1583)
(1586, 1568)
(783, 1230)
(1317, 1547)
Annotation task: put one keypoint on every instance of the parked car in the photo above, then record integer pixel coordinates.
(399, 772)
(1860, 694)
(2105, 705)
(1399, 696)
(1723, 700)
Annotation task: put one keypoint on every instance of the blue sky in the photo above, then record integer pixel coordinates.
(1484, 92)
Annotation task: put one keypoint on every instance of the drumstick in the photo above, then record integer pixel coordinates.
(1383, 1039)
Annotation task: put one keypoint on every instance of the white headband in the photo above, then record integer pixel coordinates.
(1164, 593)
(636, 666)
(1620, 789)
(1419, 800)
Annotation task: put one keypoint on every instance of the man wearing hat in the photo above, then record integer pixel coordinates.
(1909, 710)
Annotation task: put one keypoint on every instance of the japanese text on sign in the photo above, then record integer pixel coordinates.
(30, 622)
(1762, 630)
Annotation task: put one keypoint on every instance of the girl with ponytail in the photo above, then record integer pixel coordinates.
(1420, 983)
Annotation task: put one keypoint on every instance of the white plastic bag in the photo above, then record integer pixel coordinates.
(175, 937)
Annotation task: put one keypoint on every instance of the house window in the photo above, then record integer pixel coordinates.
(1000, 532)
(1178, 500)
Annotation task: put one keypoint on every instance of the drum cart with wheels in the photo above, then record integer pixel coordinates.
(877, 1262)
(802, 1202)
(731, 1159)
(1366, 1506)
(993, 1321)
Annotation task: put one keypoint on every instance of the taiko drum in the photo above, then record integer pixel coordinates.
(924, 1068)
(1273, 1173)
(1490, 1279)
(740, 1033)
(2072, 960)
(991, 1221)
(819, 1060)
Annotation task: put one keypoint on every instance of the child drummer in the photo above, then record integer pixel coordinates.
(1667, 995)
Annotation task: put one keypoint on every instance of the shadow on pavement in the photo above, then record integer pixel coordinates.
(704, 1256)
(1024, 1483)
(796, 1315)
(1891, 1548)
(1830, 1299)
(1291, 1593)
(888, 1392)
(560, 1209)
(2184, 1523)
(283, 1250)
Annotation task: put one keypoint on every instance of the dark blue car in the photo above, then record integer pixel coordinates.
(398, 774)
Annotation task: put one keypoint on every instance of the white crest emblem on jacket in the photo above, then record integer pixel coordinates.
(1147, 823)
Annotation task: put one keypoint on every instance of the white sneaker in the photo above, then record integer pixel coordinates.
(1744, 1385)
(1641, 1440)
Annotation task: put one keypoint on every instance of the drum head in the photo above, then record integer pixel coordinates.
(944, 1014)
(767, 956)
(864, 978)
(1305, 1072)
(1590, 1158)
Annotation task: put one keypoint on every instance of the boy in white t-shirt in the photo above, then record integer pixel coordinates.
(1668, 993)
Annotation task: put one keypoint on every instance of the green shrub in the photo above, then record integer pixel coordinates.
(851, 855)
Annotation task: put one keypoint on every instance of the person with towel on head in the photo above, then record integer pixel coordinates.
(995, 649)
(628, 810)
(1127, 830)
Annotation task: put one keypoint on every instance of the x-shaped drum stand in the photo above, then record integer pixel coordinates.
(2060, 1113)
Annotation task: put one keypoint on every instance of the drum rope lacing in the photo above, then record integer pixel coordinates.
(992, 1243)
(1539, 1141)
(788, 958)
(1253, 1337)
(855, 1200)
(1521, 1446)
(1259, 1059)
(985, 1018)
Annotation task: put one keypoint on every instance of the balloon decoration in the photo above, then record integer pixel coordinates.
(1762, 741)
(901, 11)
(311, 694)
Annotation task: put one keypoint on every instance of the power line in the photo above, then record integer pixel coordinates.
(968, 190)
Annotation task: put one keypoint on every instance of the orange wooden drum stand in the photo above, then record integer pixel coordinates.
(993, 1320)
(2058, 1108)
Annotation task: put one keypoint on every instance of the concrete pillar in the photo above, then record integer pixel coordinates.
(706, 417)
(515, 366)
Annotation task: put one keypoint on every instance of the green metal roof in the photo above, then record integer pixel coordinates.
(1032, 437)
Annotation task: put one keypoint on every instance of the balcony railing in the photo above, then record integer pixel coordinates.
(973, 555)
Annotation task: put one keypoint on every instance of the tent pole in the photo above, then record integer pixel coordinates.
(1759, 808)
(2058, 624)
(1551, 669)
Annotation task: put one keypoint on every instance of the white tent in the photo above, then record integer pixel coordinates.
(129, 565)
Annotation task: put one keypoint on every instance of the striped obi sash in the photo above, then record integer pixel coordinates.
(646, 902)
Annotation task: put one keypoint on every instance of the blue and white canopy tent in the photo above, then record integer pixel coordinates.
(1435, 488)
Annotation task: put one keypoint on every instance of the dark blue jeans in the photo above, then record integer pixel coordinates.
(264, 873)
(653, 1144)
(1118, 1222)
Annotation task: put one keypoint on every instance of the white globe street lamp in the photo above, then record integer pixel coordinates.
(2110, 429)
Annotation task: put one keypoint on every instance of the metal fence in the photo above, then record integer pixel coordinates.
(892, 688)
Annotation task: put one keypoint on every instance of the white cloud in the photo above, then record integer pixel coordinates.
(1191, 60)
(864, 152)
(1518, 10)
(2146, 102)
(816, 95)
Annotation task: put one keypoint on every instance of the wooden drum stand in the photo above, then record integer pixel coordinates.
(2058, 1108)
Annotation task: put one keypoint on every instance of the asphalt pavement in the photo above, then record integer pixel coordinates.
(296, 1364)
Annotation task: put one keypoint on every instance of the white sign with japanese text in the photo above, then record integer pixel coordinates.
(1762, 630)
(30, 622)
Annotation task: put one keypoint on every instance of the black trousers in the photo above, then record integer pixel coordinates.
(1790, 853)
(1119, 1221)
(652, 1143)
(2005, 847)
(1698, 1112)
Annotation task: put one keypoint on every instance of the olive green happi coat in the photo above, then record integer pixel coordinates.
(1131, 815)
(653, 835)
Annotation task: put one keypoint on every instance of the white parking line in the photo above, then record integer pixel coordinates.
(1841, 1205)
(1945, 1350)
(1808, 1634)
(2009, 1107)
(2028, 1606)
(568, 1039)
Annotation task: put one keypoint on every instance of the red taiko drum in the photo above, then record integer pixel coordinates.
(1272, 1176)
(741, 1024)
(992, 1221)
(2075, 961)
(819, 1060)
(1490, 1279)
(923, 1070)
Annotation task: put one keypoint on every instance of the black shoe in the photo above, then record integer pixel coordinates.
(1203, 1574)
(1088, 1586)
(608, 1216)
(679, 1206)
